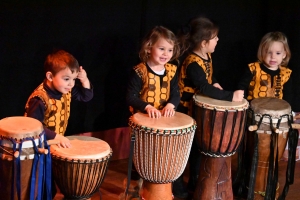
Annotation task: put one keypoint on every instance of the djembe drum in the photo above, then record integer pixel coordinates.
(220, 129)
(23, 160)
(79, 170)
(161, 151)
(270, 120)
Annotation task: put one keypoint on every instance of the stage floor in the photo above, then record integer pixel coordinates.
(112, 186)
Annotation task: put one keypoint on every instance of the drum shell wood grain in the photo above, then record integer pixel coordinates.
(219, 133)
(220, 125)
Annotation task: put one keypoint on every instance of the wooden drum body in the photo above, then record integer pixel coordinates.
(79, 170)
(20, 160)
(161, 151)
(268, 116)
(220, 129)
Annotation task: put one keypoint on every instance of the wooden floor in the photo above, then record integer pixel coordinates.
(112, 185)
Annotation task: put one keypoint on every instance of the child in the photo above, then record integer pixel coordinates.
(196, 75)
(153, 87)
(269, 76)
(50, 101)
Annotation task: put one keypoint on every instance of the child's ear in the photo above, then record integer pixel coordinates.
(49, 76)
(284, 55)
(203, 43)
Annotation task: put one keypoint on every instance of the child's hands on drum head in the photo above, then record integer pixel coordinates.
(168, 110)
(63, 141)
(238, 95)
(152, 112)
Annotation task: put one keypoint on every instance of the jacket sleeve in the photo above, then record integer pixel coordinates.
(198, 77)
(288, 94)
(133, 92)
(174, 91)
(80, 93)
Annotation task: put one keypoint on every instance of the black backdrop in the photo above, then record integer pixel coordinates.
(104, 35)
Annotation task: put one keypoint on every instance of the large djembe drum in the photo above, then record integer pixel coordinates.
(270, 123)
(161, 151)
(220, 130)
(79, 170)
(24, 165)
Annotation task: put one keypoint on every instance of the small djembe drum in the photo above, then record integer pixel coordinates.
(161, 151)
(220, 130)
(79, 170)
(24, 165)
(270, 123)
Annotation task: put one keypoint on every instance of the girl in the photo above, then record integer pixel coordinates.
(153, 87)
(199, 40)
(269, 76)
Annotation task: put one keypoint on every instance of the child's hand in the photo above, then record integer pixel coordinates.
(82, 76)
(152, 112)
(217, 85)
(64, 142)
(168, 110)
(238, 95)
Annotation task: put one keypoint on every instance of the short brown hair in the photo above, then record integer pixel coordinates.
(153, 36)
(267, 40)
(60, 60)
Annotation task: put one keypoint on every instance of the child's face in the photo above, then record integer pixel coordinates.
(274, 55)
(64, 80)
(161, 52)
(210, 46)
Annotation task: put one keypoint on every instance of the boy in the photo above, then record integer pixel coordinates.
(50, 101)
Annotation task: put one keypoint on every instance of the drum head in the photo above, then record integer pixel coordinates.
(20, 127)
(220, 105)
(178, 121)
(271, 106)
(82, 148)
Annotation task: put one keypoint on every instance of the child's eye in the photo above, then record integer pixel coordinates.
(171, 50)
(161, 49)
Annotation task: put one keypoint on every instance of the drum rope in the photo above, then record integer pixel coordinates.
(273, 170)
(18, 168)
(33, 171)
(48, 172)
(293, 136)
(154, 148)
(250, 195)
(41, 172)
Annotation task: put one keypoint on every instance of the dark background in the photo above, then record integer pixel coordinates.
(104, 35)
